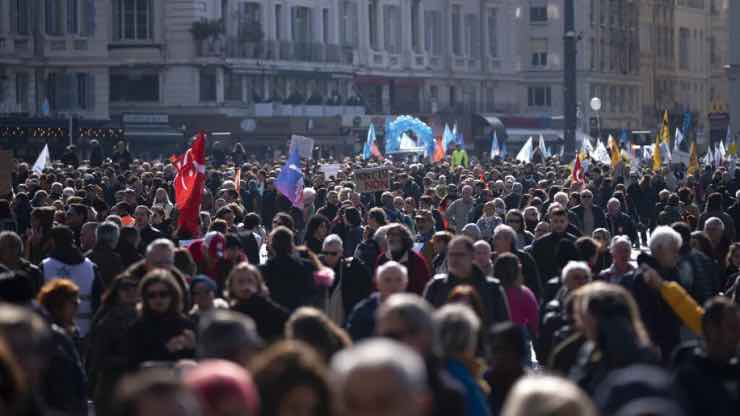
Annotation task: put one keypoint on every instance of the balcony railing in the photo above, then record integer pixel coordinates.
(277, 50)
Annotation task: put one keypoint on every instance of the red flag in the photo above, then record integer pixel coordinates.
(189, 182)
(443, 210)
(439, 151)
(577, 175)
(238, 179)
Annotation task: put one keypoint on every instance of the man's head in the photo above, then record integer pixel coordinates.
(714, 228)
(154, 392)
(460, 257)
(587, 198)
(467, 193)
(332, 198)
(621, 250)
(281, 241)
(482, 255)
(332, 249)
(391, 278)
(541, 229)
(613, 207)
(407, 318)
(575, 274)
(665, 244)
(160, 254)
(504, 238)
(11, 248)
(380, 377)
(227, 335)
(62, 236)
(88, 236)
(559, 220)
(76, 215)
(142, 214)
(721, 327)
(424, 221)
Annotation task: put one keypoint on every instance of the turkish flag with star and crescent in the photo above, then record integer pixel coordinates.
(189, 183)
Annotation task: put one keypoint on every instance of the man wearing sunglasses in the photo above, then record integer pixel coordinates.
(352, 280)
(588, 215)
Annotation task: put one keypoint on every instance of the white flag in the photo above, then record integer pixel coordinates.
(600, 154)
(495, 149)
(678, 140)
(525, 155)
(43, 161)
(543, 148)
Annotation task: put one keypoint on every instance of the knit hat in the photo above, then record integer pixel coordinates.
(203, 279)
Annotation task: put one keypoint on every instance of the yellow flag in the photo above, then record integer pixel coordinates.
(732, 149)
(615, 153)
(666, 132)
(657, 161)
(693, 160)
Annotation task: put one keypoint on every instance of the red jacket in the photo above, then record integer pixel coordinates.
(417, 268)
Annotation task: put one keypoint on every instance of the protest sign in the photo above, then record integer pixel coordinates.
(373, 180)
(304, 145)
(330, 170)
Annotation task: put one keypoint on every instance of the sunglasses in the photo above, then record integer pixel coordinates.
(161, 294)
(330, 253)
(514, 221)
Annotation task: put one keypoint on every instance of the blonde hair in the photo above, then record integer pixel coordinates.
(547, 395)
(599, 291)
(248, 268)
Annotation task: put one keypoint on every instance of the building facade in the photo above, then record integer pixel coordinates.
(237, 64)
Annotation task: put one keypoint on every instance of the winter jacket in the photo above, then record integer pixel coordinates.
(108, 261)
(290, 281)
(268, 316)
(360, 322)
(353, 278)
(64, 385)
(458, 212)
(148, 335)
(545, 254)
(711, 387)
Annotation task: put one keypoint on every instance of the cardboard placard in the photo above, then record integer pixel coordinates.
(6, 172)
(304, 145)
(330, 170)
(373, 180)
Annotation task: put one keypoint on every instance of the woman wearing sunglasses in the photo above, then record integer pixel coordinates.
(161, 333)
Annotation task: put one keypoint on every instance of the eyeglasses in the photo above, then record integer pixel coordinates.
(330, 253)
(161, 294)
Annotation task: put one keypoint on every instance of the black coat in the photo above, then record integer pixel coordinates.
(148, 336)
(64, 386)
(599, 217)
(108, 261)
(706, 384)
(268, 316)
(621, 224)
(290, 281)
(356, 282)
(544, 251)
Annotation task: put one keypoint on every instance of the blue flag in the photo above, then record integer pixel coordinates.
(367, 151)
(686, 123)
(290, 180)
(392, 138)
(447, 137)
(623, 137)
(495, 148)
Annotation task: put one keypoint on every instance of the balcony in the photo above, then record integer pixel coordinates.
(305, 110)
(16, 46)
(273, 50)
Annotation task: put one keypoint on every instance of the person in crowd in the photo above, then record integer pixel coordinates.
(248, 294)
(87, 236)
(228, 335)
(288, 277)
(292, 379)
(128, 242)
(621, 254)
(103, 254)
(545, 249)
(707, 373)
(66, 261)
(352, 280)
(400, 248)
(252, 237)
(506, 355)
(547, 395)
(714, 208)
(380, 377)
(316, 230)
(65, 384)
(463, 271)
(504, 241)
(107, 359)
(390, 278)
(354, 233)
(482, 257)
(203, 295)
(732, 272)
(458, 211)
(515, 220)
(424, 244)
(160, 254)
(697, 272)
(440, 241)
(11, 258)
(154, 392)
(313, 327)
(369, 249)
(488, 221)
(523, 305)
(588, 216)
(714, 229)
(161, 333)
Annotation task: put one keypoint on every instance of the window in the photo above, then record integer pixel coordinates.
(492, 37)
(538, 50)
(71, 91)
(133, 20)
(472, 36)
(683, 47)
(490, 100)
(349, 24)
(415, 33)
(538, 14)
(433, 92)
(453, 96)
(73, 23)
(54, 17)
(592, 53)
(22, 84)
(301, 22)
(712, 50)
(432, 34)
(456, 23)
(392, 28)
(372, 6)
(278, 21)
(208, 84)
(232, 86)
(134, 86)
(325, 25)
(85, 91)
(20, 17)
(539, 97)
(250, 16)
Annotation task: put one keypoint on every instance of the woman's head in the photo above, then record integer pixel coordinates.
(244, 281)
(318, 227)
(60, 298)
(515, 220)
(599, 305)
(733, 255)
(292, 378)
(457, 331)
(160, 293)
(121, 292)
(399, 239)
(507, 269)
(313, 327)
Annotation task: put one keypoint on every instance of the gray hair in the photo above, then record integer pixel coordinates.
(457, 329)
(539, 395)
(662, 236)
(225, 334)
(411, 309)
(108, 234)
(620, 240)
(532, 208)
(406, 365)
(575, 266)
(332, 239)
(614, 201)
(380, 234)
(160, 243)
(472, 230)
(392, 265)
(309, 193)
(714, 221)
(504, 230)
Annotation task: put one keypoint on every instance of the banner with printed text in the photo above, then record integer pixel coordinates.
(373, 180)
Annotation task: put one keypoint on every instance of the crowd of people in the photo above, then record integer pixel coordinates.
(481, 287)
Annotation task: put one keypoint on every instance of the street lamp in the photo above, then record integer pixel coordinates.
(596, 106)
